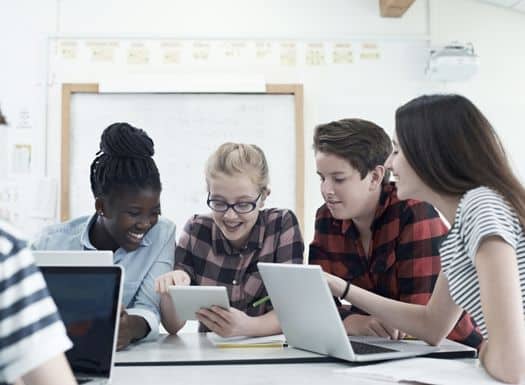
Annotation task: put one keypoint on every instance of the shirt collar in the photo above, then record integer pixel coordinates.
(221, 245)
(385, 199)
(388, 193)
(84, 237)
(86, 242)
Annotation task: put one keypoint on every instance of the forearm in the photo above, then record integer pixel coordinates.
(501, 365)
(138, 326)
(54, 371)
(409, 318)
(503, 354)
(168, 315)
(264, 325)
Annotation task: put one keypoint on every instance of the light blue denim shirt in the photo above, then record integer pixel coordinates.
(155, 256)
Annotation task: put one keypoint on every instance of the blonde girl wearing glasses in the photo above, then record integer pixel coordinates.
(223, 248)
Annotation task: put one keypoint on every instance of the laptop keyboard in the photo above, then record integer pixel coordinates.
(362, 348)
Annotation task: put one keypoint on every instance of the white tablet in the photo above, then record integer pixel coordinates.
(188, 299)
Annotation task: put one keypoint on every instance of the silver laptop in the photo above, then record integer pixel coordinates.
(88, 299)
(73, 257)
(310, 321)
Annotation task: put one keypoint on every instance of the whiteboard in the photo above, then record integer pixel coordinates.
(186, 128)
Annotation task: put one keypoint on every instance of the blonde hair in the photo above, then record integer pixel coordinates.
(239, 158)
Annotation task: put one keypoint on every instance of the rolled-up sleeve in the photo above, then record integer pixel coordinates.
(147, 300)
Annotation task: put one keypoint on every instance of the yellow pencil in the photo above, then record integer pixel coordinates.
(228, 345)
(409, 337)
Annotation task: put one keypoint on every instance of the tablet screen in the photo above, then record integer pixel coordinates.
(189, 299)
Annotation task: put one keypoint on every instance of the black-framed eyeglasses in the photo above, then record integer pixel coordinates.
(239, 207)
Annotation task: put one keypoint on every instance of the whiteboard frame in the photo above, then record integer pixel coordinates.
(68, 89)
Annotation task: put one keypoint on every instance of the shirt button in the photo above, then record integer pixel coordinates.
(234, 282)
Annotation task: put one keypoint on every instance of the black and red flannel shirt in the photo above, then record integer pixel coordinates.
(404, 260)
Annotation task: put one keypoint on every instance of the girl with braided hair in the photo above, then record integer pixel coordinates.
(126, 186)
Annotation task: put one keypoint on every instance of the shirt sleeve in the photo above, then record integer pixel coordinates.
(485, 213)
(31, 331)
(147, 301)
(289, 248)
(290, 245)
(40, 242)
(184, 258)
(318, 255)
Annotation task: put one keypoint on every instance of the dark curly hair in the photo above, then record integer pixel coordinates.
(124, 161)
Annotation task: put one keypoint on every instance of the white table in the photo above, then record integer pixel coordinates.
(198, 349)
(159, 362)
(235, 375)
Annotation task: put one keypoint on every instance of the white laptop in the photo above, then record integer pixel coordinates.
(73, 257)
(88, 299)
(310, 321)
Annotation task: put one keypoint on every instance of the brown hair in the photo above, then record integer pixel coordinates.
(361, 143)
(453, 148)
(239, 158)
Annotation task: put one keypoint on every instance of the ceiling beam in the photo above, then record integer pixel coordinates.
(394, 8)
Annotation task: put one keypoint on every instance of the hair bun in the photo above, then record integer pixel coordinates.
(122, 140)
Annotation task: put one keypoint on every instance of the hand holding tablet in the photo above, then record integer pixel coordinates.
(189, 299)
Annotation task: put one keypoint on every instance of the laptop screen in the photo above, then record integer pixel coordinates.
(87, 299)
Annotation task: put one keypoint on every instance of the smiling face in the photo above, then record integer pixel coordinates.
(408, 184)
(129, 215)
(347, 195)
(233, 189)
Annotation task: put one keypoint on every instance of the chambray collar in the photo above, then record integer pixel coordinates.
(86, 242)
(255, 241)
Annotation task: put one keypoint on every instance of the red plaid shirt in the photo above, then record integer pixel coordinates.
(207, 256)
(404, 262)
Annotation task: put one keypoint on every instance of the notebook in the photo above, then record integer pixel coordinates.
(88, 300)
(310, 320)
(274, 341)
(73, 257)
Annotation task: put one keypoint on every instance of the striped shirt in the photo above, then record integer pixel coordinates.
(209, 259)
(481, 212)
(31, 331)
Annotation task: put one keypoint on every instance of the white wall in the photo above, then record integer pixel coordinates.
(279, 19)
(24, 29)
(329, 93)
(498, 35)
(23, 38)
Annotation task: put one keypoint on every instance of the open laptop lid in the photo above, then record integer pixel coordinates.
(88, 299)
(73, 257)
(306, 309)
